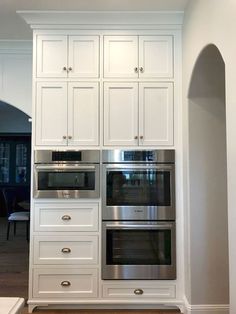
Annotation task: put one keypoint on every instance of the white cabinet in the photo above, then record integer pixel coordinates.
(67, 113)
(138, 56)
(138, 114)
(79, 217)
(65, 254)
(66, 250)
(65, 283)
(61, 56)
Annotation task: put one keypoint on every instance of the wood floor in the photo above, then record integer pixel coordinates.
(14, 274)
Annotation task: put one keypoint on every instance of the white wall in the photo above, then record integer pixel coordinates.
(206, 22)
(16, 74)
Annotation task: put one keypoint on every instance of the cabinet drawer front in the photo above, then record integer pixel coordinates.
(67, 283)
(61, 217)
(138, 291)
(66, 250)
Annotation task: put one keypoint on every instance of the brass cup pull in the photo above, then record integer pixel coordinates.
(136, 69)
(141, 69)
(66, 217)
(66, 250)
(65, 283)
(138, 291)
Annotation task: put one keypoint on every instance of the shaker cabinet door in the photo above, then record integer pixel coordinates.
(51, 56)
(83, 114)
(121, 56)
(121, 114)
(83, 58)
(51, 114)
(155, 56)
(156, 113)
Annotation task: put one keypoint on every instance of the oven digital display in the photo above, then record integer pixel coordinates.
(139, 156)
(66, 156)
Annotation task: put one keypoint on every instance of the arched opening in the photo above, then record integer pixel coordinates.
(208, 226)
(15, 160)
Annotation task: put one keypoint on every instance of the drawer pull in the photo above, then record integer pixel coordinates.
(66, 217)
(66, 250)
(65, 283)
(138, 291)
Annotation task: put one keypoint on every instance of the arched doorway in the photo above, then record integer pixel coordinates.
(208, 228)
(15, 153)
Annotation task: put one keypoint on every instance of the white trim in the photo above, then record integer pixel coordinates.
(206, 308)
(16, 46)
(54, 19)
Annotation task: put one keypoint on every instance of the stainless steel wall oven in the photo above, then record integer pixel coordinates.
(138, 212)
(66, 174)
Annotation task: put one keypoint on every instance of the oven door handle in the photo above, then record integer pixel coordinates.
(137, 226)
(75, 168)
(139, 167)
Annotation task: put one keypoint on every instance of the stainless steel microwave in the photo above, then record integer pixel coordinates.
(66, 174)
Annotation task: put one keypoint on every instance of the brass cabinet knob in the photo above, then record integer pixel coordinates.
(64, 68)
(138, 291)
(136, 69)
(70, 68)
(66, 217)
(141, 137)
(66, 250)
(136, 137)
(65, 283)
(69, 137)
(141, 69)
(64, 137)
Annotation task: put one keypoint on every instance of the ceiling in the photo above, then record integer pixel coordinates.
(13, 27)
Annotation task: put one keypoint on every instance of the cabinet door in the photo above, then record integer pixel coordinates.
(51, 56)
(51, 114)
(121, 56)
(121, 114)
(83, 56)
(83, 114)
(156, 113)
(155, 56)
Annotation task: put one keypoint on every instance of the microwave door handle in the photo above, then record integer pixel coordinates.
(120, 226)
(65, 168)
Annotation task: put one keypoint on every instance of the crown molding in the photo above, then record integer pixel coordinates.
(77, 19)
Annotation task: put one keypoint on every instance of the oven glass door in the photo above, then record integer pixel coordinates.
(131, 190)
(137, 250)
(82, 179)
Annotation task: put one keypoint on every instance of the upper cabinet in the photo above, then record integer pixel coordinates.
(62, 56)
(67, 114)
(138, 114)
(138, 56)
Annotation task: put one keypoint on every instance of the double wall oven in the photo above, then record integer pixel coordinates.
(138, 211)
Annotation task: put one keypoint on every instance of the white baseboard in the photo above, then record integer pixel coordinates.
(206, 308)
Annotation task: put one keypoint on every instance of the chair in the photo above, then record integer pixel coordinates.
(13, 216)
